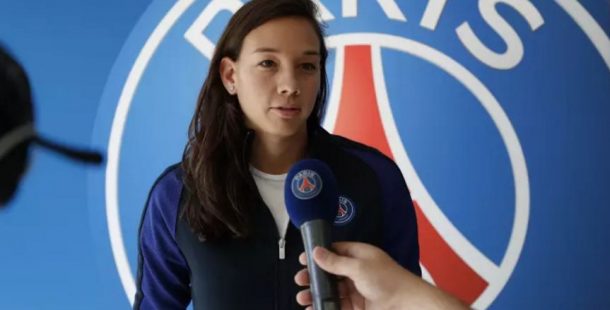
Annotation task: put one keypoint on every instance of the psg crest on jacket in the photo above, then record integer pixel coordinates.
(345, 212)
(441, 87)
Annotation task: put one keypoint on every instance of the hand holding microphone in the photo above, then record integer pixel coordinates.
(312, 199)
(373, 280)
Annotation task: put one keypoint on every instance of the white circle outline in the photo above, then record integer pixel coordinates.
(125, 100)
(115, 140)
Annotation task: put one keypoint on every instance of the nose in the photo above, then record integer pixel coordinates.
(288, 84)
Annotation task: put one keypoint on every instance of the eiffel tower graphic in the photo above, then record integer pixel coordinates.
(306, 185)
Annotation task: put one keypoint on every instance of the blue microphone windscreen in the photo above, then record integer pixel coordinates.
(311, 192)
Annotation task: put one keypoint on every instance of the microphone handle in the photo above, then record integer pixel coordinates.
(323, 286)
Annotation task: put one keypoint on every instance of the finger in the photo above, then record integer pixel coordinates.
(304, 297)
(346, 304)
(333, 263)
(353, 249)
(302, 278)
(303, 259)
(355, 297)
(343, 289)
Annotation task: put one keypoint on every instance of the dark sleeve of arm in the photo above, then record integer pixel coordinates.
(398, 215)
(163, 274)
(400, 239)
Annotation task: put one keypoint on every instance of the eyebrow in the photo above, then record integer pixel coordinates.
(273, 50)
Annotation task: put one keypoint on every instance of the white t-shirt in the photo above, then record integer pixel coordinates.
(271, 189)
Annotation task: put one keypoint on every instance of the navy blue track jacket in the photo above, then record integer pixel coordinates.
(175, 267)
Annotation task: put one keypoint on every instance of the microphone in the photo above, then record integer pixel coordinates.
(312, 201)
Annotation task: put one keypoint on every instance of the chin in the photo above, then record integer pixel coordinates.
(287, 130)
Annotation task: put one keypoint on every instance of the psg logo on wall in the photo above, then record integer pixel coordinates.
(437, 86)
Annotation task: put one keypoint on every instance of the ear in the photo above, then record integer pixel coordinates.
(228, 69)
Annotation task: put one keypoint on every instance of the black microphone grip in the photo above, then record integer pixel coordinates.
(323, 286)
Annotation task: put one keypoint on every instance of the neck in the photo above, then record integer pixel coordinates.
(275, 155)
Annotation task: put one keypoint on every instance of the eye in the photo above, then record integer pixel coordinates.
(267, 63)
(310, 67)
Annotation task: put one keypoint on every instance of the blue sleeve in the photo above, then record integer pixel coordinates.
(400, 239)
(163, 274)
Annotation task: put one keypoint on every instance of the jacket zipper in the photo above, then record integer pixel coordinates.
(282, 243)
(282, 246)
(278, 267)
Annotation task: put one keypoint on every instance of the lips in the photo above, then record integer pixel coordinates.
(286, 112)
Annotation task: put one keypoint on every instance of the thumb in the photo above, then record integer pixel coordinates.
(333, 263)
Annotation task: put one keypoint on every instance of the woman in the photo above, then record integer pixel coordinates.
(215, 228)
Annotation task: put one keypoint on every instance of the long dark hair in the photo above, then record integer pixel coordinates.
(220, 194)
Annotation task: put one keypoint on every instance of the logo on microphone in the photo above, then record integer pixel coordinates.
(306, 184)
(345, 212)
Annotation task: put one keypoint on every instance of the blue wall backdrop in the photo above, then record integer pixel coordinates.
(497, 112)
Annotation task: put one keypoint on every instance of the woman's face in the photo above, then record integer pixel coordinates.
(277, 76)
